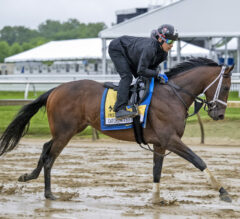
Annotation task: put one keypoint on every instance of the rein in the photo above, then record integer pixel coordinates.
(150, 149)
(199, 102)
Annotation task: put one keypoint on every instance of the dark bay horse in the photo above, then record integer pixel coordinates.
(72, 106)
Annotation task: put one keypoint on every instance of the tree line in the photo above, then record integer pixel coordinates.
(16, 39)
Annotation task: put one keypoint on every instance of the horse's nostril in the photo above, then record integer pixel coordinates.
(221, 117)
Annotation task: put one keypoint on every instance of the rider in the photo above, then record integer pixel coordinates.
(139, 56)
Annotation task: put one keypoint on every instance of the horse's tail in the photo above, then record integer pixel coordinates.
(19, 126)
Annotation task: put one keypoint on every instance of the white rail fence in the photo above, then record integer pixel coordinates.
(46, 82)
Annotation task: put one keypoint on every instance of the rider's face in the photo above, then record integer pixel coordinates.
(166, 47)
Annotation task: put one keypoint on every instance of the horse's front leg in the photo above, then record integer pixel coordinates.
(177, 146)
(157, 170)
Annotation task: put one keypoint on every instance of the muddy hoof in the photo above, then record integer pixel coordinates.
(23, 178)
(156, 199)
(50, 196)
(225, 197)
(160, 201)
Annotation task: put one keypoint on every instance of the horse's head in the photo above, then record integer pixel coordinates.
(217, 93)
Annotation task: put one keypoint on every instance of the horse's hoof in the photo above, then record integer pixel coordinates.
(225, 197)
(50, 196)
(160, 201)
(156, 199)
(23, 178)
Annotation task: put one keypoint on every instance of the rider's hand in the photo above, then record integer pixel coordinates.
(163, 78)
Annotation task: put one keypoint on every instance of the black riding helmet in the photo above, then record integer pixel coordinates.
(166, 31)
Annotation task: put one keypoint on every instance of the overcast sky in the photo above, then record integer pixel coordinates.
(30, 13)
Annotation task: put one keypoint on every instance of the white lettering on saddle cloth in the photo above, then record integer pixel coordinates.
(110, 118)
(114, 121)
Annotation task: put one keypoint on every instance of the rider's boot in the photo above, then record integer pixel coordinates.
(122, 113)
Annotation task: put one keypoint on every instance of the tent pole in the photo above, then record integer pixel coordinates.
(104, 50)
(178, 51)
(169, 59)
(238, 54)
(210, 43)
(226, 52)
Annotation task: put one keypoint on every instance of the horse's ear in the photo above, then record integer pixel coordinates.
(231, 68)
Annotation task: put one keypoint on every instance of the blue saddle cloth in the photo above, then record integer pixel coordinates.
(107, 115)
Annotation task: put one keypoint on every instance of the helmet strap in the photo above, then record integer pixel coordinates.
(161, 42)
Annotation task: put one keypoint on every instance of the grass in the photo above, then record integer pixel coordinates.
(234, 96)
(231, 114)
(216, 129)
(4, 95)
(39, 124)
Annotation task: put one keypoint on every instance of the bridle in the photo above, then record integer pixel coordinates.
(213, 103)
(199, 102)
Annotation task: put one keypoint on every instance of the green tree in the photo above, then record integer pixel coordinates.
(92, 29)
(26, 46)
(22, 38)
(71, 24)
(25, 35)
(4, 50)
(15, 49)
(38, 41)
(49, 28)
(8, 34)
(71, 29)
(18, 34)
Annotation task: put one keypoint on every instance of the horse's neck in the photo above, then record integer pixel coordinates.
(193, 81)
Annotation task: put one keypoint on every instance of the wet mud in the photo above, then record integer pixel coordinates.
(111, 179)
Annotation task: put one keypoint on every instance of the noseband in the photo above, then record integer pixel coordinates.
(199, 102)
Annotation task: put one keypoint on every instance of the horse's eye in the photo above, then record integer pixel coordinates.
(226, 88)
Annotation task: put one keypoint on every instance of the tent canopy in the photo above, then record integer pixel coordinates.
(62, 50)
(192, 18)
(188, 49)
(84, 49)
(232, 45)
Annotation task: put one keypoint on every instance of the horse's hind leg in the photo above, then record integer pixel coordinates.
(60, 140)
(57, 146)
(35, 173)
(157, 170)
(178, 147)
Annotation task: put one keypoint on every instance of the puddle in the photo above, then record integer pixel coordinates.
(114, 180)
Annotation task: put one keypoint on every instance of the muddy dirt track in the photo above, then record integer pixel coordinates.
(111, 179)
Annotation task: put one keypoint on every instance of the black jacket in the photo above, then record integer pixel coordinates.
(143, 54)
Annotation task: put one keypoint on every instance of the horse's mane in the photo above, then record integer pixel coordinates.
(191, 63)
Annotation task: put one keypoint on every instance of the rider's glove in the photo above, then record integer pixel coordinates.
(163, 78)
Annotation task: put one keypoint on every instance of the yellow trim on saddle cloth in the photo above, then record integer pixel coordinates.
(110, 118)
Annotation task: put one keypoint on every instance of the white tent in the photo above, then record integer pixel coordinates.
(85, 49)
(232, 45)
(189, 50)
(77, 49)
(192, 18)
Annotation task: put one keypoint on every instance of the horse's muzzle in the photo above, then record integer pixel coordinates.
(216, 114)
(221, 116)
